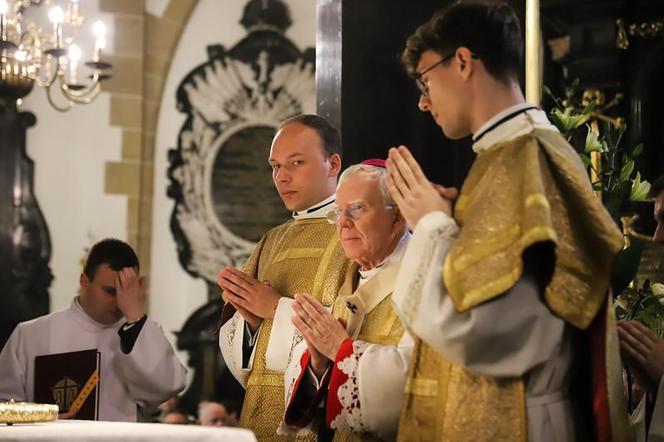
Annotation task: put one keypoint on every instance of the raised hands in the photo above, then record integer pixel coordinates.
(254, 300)
(415, 195)
(322, 332)
(644, 348)
(130, 294)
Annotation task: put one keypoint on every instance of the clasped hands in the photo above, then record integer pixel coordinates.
(644, 351)
(253, 299)
(415, 195)
(322, 332)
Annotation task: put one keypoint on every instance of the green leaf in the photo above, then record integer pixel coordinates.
(597, 185)
(626, 171)
(626, 264)
(566, 121)
(589, 107)
(592, 142)
(586, 159)
(637, 150)
(640, 189)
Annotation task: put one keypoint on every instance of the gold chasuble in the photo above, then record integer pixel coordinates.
(530, 189)
(367, 310)
(302, 255)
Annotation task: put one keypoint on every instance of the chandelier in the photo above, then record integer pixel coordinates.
(37, 45)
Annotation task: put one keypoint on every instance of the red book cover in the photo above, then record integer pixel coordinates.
(70, 380)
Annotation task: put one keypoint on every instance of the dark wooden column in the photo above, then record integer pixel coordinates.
(25, 247)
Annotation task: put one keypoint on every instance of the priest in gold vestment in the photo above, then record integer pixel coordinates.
(301, 255)
(507, 291)
(347, 382)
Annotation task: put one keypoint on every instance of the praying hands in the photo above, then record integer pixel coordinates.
(254, 300)
(644, 348)
(323, 333)
(415, 195)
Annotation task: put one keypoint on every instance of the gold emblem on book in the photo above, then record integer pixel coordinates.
(65, 392)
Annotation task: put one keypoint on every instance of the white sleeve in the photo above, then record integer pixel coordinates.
(13, 369)
(381, 378)
(504, 337)
(151, 371)
(283, 337)
(293, 371)
(292, 374)
(231, 343)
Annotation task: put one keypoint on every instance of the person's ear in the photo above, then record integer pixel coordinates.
(399, 223)
(465, 62)
(335, 165)
(84, 284)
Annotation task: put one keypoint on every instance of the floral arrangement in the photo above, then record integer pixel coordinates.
(611, 167)
(645, 304)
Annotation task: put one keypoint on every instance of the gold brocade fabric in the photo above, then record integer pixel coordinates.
(530, 189)
(444, 402)
(521, 192)
(300, 256)
(380, 325)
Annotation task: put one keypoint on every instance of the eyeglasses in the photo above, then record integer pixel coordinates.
(421, 85)
(353, 211)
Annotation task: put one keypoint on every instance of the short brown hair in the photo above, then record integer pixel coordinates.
(328, 134)
(117, 254)
(490, 29)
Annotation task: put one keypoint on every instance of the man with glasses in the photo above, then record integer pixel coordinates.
(355, 373)
(302, 254)
(498, 288)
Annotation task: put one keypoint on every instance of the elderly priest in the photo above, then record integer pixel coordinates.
(355, 374)
(100, 358)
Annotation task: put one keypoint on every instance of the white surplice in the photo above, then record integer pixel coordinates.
(235, 335)
(510, 336)
(149, 374)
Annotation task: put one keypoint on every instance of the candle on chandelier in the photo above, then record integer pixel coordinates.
(99, 31)
(4, 8)
(74, 56)
(73, 12)
(56, 15)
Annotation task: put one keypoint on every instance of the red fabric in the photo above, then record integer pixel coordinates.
(597, 342)
(375, 162)
(292, 416)
(337, 379)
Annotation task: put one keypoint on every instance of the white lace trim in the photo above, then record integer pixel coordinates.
(350, 417)
(293, 370)
(230, 336)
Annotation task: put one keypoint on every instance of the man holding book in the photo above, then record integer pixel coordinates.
(100, 358)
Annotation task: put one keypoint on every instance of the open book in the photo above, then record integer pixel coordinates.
(70, 380)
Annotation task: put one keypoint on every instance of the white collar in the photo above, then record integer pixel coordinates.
(317, 210)
(392, 258)
(510, 123)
